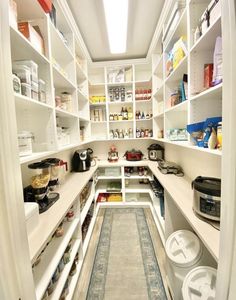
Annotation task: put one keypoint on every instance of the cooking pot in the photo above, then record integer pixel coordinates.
(155, 152)
(133, 155)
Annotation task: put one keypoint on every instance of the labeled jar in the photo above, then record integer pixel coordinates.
(58, 101)
(16, 83)
(23, 72)
(59, 231)
(25, 143)
(66, 99)
(34, 91)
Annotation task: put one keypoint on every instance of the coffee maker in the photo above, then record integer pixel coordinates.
(38, 190)
(81, 160)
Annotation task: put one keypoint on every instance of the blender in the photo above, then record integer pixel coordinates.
(38, 190)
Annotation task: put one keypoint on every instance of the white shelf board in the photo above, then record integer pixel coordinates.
(143, 101)
(61, 81)
(85, 210)
(88, 235)
(179, 188)
(98, 122)
(81, 76)
(120, 102)
(82, 96)
(124, 139)
(160, 115)
(33, 11)
(183, 106)
(213, 92)
(138, 188)
(49, 220)
(69, 146)
(143, 120)
(207, 40)
(186, 144)
(159, 91)
(120, 84)
(21, 48)
(96, 84)
(97, 104)
(30, 103)
(60, 50)
(43, 272)
(64, 275)
(83, 118)
(142, 83)
(178, 72)
(149, 177)
(158, 69)
(34, 156)
(161, 220)
(123, 121)
(74, 281)
(65, 114)
(101, 177)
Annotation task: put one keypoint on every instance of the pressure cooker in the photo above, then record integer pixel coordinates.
(155, 152)
(207, 197)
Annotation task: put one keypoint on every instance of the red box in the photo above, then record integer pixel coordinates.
(208, 73)
(46, 5)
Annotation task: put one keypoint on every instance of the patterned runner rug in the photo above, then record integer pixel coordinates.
(125, 265)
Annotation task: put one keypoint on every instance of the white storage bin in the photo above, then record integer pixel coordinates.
(23, 72)
(31, 216)
(200, 283)
(25, 143)
(35, 91)
(112, 171)
(184, 252)
(26, 89)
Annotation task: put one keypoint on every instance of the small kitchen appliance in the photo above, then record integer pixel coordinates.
(38, 190)
(113, 154)
(81, 160)
(155, 152)
(167, 167)
(133, 155)
(207, 197)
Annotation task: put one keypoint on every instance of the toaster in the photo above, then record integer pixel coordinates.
(133, 155)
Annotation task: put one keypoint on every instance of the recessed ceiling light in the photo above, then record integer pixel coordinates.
(116, 14)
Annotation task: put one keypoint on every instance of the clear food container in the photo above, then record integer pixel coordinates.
(42, 90)
(25, 143)
(33, 67)
(26, 89)
(66, 99)
(23, 72)
(34, 91)
(16, 83)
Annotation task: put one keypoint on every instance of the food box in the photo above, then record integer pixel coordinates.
(32, 35)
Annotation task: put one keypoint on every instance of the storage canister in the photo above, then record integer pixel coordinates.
(25, 143)
(33, 67)
(67, 100)
(34, 91)
(16, 83)
(42, 90)
(23, 72)
(184, 252)
(200, 283)
(26, 89)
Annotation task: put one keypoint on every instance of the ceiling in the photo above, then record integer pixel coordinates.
(142, 22)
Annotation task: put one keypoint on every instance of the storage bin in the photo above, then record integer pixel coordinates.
(34, 91)
(31, 216)
(184, 252)
(112, 172)
(200, 283)
(23, 72)
(16, 84)
(25, 143)
(31, 65)
(42, 90)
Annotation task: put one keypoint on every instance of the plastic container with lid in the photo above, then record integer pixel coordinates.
(34, 91)
(33, 67)
(42, 90)
(16, 83)
(26, 89)
(184, 252)
(25, 143)
(23, 72)
(200, 283)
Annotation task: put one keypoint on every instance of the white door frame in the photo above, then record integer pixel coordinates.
(226, 283)
(16, 280)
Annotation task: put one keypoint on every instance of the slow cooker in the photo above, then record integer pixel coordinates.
(155, 152)
(207, 197)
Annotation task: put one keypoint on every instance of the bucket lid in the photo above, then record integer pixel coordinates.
(200, 283)
(183, 248)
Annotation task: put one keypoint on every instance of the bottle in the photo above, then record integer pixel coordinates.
(115, 117)
(111, 134)
(122, 112)
(125, 114)
(130, 113)
(120, 118)
(111, 117)
(142, 116)
(126, 134)
(130, 133)
(121, 134)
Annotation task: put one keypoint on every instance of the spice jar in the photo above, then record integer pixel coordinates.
(50, 288)
(55, 276)
(59, 231)
(58, 101)
(70, 216)
(61, 265)
(73, 269)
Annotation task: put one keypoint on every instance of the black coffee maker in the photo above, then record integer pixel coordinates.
(81, 160)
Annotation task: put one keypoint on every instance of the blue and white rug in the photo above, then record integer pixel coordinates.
(125, 265)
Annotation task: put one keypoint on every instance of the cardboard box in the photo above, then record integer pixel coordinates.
(46, 5)
(32, 35)
(208, 73)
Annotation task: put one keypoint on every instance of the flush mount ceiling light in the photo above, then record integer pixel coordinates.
(116, 14)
